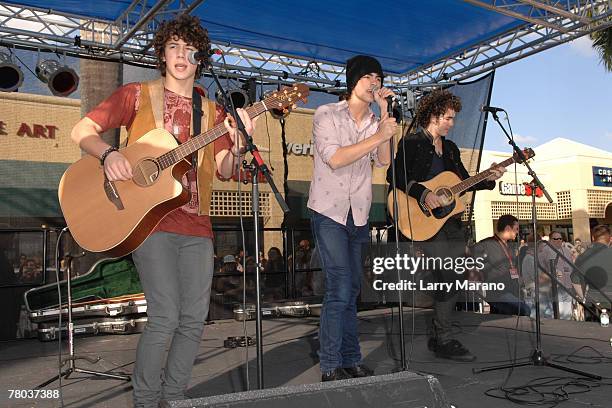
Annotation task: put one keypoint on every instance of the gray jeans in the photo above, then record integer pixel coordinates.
(176, 275)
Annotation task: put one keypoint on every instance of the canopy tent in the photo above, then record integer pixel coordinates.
(418, 42)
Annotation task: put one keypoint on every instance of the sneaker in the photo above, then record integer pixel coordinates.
(452, 350)
(359, 371)
(334, 375)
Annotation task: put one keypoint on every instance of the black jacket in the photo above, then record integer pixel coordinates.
(419, 152)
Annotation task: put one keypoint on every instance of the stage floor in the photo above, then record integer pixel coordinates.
(290, 357)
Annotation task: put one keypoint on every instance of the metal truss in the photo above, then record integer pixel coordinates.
(548, 23)
(128, 39)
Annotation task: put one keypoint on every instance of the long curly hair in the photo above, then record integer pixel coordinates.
(185, 27)
(435, 104)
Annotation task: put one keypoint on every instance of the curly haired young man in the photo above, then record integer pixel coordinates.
(175, 262)
(420, 157)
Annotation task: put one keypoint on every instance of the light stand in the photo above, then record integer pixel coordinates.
(257, 165)
(71, 357)
(537, 356)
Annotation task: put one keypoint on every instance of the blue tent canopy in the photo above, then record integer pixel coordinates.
(403, 35)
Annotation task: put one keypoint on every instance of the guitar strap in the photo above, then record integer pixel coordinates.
(197, 113)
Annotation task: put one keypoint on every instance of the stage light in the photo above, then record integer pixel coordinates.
(61, 80)
(238, 96)
(11, 76)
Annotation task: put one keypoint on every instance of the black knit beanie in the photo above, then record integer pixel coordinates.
(357, 67)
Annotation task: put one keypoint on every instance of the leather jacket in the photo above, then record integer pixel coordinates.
(419, 150)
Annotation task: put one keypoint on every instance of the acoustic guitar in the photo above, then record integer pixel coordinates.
(115, 217)
(418, 222)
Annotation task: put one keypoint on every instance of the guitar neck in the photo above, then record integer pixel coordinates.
(472, 181)
(197, 142)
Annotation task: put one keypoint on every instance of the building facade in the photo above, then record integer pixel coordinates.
(35, 150)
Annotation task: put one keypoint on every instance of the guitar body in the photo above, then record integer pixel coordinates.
(425, 224)
(101, 222)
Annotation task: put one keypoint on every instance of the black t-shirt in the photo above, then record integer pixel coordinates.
(437, 167)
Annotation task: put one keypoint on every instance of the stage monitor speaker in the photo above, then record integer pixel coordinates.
(398, 390)
(597, 266)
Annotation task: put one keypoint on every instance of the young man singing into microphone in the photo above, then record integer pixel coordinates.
(347, 137)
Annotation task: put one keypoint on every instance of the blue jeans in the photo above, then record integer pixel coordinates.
(340, 248)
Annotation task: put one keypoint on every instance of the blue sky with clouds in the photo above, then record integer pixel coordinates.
(561, 92)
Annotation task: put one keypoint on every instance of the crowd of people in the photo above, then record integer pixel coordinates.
(566, 272)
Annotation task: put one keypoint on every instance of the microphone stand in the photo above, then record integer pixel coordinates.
(537, 357)
(256, 166)
(72, 357)
(582, 275)
(400, 302)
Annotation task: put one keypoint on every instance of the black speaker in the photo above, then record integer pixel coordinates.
(597, 267)
(399, 390)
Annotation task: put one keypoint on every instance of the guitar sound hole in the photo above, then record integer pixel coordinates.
(447, 201)
(146, 172)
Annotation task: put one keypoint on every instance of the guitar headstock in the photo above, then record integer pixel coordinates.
(527, 152)
(285, 99)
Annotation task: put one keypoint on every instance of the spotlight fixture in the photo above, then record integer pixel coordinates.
(11, 76)
(61, 80)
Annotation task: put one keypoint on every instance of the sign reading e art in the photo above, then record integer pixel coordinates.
(602, 176)
(35, 131)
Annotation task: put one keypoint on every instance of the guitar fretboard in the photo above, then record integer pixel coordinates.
(197, 142)
(469, 182)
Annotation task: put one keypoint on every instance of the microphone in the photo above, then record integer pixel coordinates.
(389, 99)
(195, 56)
(491, 109)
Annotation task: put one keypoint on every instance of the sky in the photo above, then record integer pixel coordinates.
(561, 92)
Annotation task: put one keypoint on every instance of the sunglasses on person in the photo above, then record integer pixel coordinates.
(557, 239)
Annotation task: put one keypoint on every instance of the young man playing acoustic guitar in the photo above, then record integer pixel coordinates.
(420, 157)
(175, 262)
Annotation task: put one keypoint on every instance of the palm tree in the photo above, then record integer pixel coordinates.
(602, 43)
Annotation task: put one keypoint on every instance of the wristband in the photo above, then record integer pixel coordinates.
(106, 153)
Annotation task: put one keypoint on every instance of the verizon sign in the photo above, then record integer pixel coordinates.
(300, 149)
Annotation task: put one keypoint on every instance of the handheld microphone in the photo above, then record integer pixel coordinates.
(195, 56)
(491, 109)
(389, 99)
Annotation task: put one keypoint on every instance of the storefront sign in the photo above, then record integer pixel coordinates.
(602, 176)
(300, 149)
(34, 130)
(511, 189)
(517, 189)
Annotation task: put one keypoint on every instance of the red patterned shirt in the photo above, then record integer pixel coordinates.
(120, 109)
